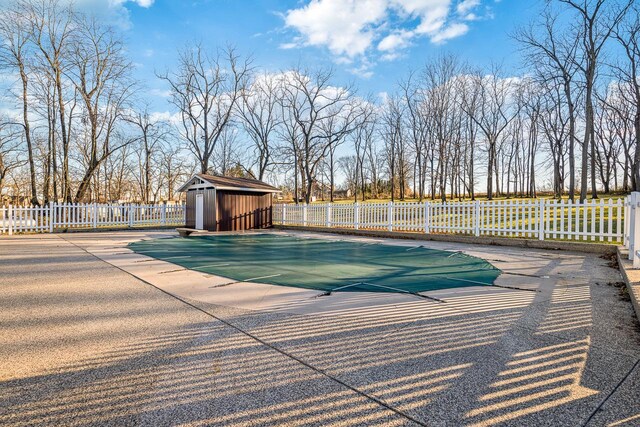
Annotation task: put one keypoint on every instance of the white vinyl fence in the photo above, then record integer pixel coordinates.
(60, 216)
(603, 220)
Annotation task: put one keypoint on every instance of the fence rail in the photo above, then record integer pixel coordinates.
(591, 221)
(57, 216)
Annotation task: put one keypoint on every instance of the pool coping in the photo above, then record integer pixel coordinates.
(630, 276)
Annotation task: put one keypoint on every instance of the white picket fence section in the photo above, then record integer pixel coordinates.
(59, 216)
(632, 228)
(600, 220)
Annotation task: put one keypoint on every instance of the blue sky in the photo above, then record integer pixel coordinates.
(371, 43)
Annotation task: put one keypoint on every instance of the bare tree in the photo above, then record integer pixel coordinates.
(101, 77)
(226, 155)
(627, 72)
(348, 164)
(363, 143)
(596, 22)
(311, 102)
(174, 168)
(52, 24)
(441, 91)
(608, 146)
(335, 128)
(10, 150)
(555, 126)
(468, 99)
(290, 133)
(15, 35)
(205, 89)
(492, 115)
(553, 53)
(258, 110)
(151, 133)
(413, 95)
(391, 129)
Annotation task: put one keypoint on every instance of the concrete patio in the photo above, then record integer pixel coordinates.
(92, 333)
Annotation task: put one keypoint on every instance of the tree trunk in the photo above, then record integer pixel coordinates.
(490, 170)
(27, 137)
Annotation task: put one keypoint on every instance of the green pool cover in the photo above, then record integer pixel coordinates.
(325, 265)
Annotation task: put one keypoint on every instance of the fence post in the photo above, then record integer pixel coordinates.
(10, 218)
(163, 214)
(130, 215)
(626, 219)
(634, 228)
(390, 216)
(356, 216)
(427, 216)
(541, 219)
(636, 232)
(304, 215)
(284, 214)
(95, 215)
(328, 215)
(629, 221)
(476, 218)
(51, 213)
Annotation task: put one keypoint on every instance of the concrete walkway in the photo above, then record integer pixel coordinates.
(93, 334)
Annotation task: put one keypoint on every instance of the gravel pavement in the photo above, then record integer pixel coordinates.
(83, 342)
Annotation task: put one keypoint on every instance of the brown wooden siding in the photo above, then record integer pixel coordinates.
(243, 210)
(231, 210)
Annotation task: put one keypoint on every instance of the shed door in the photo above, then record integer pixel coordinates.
(199, 212)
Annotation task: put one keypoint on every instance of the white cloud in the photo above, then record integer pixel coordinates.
(114, 12)
(356, 29)
(452, 31)
(143, 3)
(363, 71)
(465, 6)
(346, 27)
(395, 41)
(165, 116)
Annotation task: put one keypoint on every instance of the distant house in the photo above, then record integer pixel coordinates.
(222, 203)
(342, 194)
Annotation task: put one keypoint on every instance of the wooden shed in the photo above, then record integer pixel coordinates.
(222, 203)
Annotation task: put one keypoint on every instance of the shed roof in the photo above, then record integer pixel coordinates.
(229, 183)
